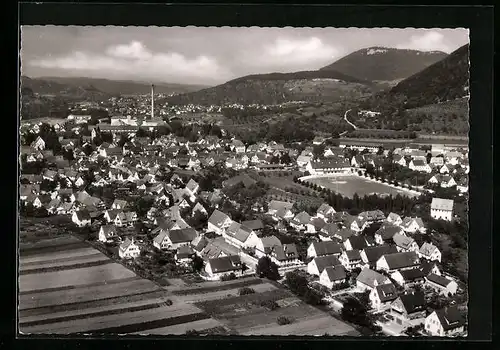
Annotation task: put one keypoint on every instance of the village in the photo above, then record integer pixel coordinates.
(169, 203)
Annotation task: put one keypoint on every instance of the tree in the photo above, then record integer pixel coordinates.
(197, 263)
(267, 269)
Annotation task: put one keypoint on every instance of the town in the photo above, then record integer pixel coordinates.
(374, 236)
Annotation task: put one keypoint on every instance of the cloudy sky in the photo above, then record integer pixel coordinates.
(206, 55)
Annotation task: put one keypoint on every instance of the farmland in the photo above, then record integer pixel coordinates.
(349, 185)
(65, 286)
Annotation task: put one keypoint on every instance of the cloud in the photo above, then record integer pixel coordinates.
(135, 61)
(289, 54)
(429, 41)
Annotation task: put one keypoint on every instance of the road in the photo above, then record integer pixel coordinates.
(348, 122)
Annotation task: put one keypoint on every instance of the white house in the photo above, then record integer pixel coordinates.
(217, 267)
(318, 264)
(332, 275)
(81, 218)
(442, 209)
(409, 277)
(442, 285)
(398, 261)
(351, 259)
(107, 232)
(430, 252)
(394, 219)
(446, 322)
(192, 188)
(240, 235)
(404, 243)
(218, 222)
(324, 211)
(174, 239)
(129, 249)
(324, 248)
(368, 279)
(382, 296)
(419, 165)
(413, 225)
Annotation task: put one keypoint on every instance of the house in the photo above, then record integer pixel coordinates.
(368, 279)
(265, 245)
(408, 277)
(404, 243)
(192, 188)
(356, 243)
(303, 160)
(442, 285)
(328, 232)
(218, 222)
(357, 161)
(81, 218)
(280, 210)
(184, 254)
(408, 307)
(254, 225)
(399, 159)
(217, 248)
(436, 162)
(237, 146)
(351, 259)
(199, 208)
(302, 222)
(372, 216)
(323, 249)
(359, 224)
(419, 165)
(217, 267)
(453, 157)
(442, 209)
(394, 219)
(119, 204)
(427, 267)
(445, 169)
(386, 232)
(444, 181)
(430, 252)
(445, 322)
(38, 144)
(129, 249)
(413, 225)
(125, 218)
(328, 166)
(174, 239)
(318, 140)
(285, 255)
(324, 211)
(107, 232)
(332, 275)
(463, 185)
(397, 261)
(318, 264)
(370, 255)
(382, 296)
(240, 235)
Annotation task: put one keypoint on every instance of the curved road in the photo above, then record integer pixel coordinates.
(345, 118)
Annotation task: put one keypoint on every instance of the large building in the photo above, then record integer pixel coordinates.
(442, 209)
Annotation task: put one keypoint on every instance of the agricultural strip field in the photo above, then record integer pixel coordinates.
(349, 185)
(105, 299)
(178, 329)
(219, 287)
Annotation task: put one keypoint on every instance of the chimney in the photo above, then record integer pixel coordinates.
(152, 101)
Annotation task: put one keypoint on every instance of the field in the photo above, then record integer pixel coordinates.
(65, 286)
(348, 185)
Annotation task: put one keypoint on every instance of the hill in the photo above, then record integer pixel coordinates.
(64, 90)
(276, 88)
(125, 87)
(384, 64)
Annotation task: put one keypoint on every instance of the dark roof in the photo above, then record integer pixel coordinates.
(450, 318)
(324, 261)
(353, 255)
(387, 292)
(374, 253)
(253, 224)
(327, 248)
(182, 235)
(225, 263)
(368, 277)
(387, 231)
(413, 302)
(440, 280)
(285, 252)
(412, 274)
(358, 242)
(184, 251)
(335, 273)
(401, 260)
(83, 214)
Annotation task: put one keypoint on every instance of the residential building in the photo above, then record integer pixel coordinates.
(445, 322)
(442, 285)
(316, 249)
(398, 261)
(442, 209)
(332, 275)
(318, 264)
(217, 267)
(430, 252)
(408, 307)
(382, 296)
(368, 279)
(129, 249)
(218, 222)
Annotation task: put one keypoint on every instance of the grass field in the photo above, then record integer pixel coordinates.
(349, 185)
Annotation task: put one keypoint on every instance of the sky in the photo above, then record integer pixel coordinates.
(206, 56)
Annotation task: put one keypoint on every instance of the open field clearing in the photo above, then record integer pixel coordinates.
(34, 249)
(316, 326)
(179, 329)
(219, 286)
(72, 260)
(110, 323)
(65, 265)
(63, 299)
(80, 276)
(41, 258)
(265, 287)
(348, 185)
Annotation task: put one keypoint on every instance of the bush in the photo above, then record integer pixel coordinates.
(270, 304)
(192, 332)
(228, 277)
(246, 291)
(282, 320)
(168, 302)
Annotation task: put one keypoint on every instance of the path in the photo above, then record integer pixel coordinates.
(345, 118)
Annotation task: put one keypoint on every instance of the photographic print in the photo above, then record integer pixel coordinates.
(243, 181)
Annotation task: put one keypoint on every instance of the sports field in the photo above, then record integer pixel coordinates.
(347, 185)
